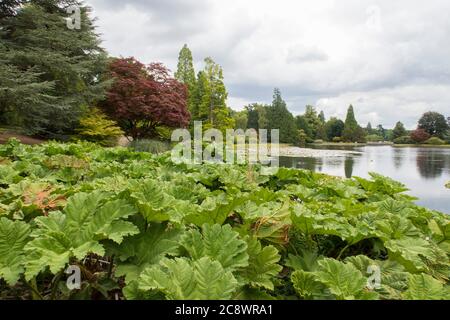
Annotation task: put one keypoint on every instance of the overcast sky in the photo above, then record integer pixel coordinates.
(390, 59)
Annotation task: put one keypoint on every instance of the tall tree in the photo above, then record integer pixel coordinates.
(186, 74)
(142, 98)
(369, 128)
(399, 131)
(334, 128)
(280, 118)
(322, 117)
(303, 125)
(314, 122)
(210, 97)
(434, 124)
(50, 74)
(381, 132)
(352, 131)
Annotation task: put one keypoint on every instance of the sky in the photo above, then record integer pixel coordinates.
(389, 59)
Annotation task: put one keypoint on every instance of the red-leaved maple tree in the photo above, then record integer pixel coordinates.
(144, 97)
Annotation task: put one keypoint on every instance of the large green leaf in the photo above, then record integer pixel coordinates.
(343, 280)
(263, 265)
(145, 249)
(308, 287)
(13, 237)
(181, 279)
(220, 243)
(425, 287)
(87, 219)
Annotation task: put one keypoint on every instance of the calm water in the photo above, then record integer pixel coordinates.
(425, 171)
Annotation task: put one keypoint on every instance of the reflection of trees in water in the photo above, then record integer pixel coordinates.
(349, 164)
(398, 156)
(301, 163)
(431, 163)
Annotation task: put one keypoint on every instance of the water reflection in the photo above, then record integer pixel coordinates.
(348, 166)
(398, 155)
(430, 164)
(425, 171)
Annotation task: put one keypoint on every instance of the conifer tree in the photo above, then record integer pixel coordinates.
(49, 74)
(280, 118)
(352, 131)
(186, 74)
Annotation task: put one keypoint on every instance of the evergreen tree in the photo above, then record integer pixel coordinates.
(280, 118)
(210, 97)
(49, 73)
(322, 117)
(334, 128)
(352, 131)
(303, 125)
(399, 131)
(369, 128)
(186, 74)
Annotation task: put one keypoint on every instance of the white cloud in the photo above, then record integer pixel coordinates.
(388, 58)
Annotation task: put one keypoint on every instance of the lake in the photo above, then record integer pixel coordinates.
(425, 171)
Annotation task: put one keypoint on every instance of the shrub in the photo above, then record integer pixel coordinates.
(404, 140)
(435, 141)
(319, 141)
(374, 138)
(337, 139)
(97, 127)
(420, 136)
(150, 145)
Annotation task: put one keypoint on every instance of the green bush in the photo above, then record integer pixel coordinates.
(404, 140)
(337, 139)
(150, 145)
(97, 127)
(435, 141)
(319, 141)
(374, 138)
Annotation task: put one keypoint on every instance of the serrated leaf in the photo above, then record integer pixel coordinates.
(308, 287)
(85, 221)
(181, 279)
(263, 265)
(425, 287)
(145, 249)
(13, 237)
(343, 280)
(219, 243)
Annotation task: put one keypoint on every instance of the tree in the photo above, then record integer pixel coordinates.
(240, 119)
(8, 8)
(313, 121)
(369, 128)
(352, 131)
(144, 97)
(420, 135)
(50, 75)
(334, 128)
(399, 131)
(322, 117)
(381, 132)
(280, 118)
(186, 74)
(210, 98)
(252, 116)
(303, 125)
(434, 124)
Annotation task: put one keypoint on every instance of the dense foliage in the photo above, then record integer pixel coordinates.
(49, 73)
(141, 227)
(145, 97)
